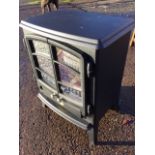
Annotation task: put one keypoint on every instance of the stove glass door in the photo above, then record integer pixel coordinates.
(69, 67)
(69, 75)
(40, 54)
(59, 67)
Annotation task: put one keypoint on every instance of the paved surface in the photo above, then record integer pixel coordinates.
(43, 132)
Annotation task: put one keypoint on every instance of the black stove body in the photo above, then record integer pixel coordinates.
(78, 60)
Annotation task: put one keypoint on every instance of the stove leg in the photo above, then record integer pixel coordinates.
(92, 135)
(44, 105)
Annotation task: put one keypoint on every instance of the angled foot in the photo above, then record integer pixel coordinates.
(92, 137)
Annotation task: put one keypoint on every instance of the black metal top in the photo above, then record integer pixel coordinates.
(84, 24)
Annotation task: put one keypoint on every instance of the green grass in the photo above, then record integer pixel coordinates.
(38, 1)
(67, 1)
(34, 2)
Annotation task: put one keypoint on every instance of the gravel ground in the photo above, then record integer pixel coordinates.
(43, 132)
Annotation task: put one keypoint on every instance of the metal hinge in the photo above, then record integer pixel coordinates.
(89, 109)
(90, 68)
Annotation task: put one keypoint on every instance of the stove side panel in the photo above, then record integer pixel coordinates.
(110, 64)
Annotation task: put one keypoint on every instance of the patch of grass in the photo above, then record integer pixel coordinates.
(67, 1)
(31, 2)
